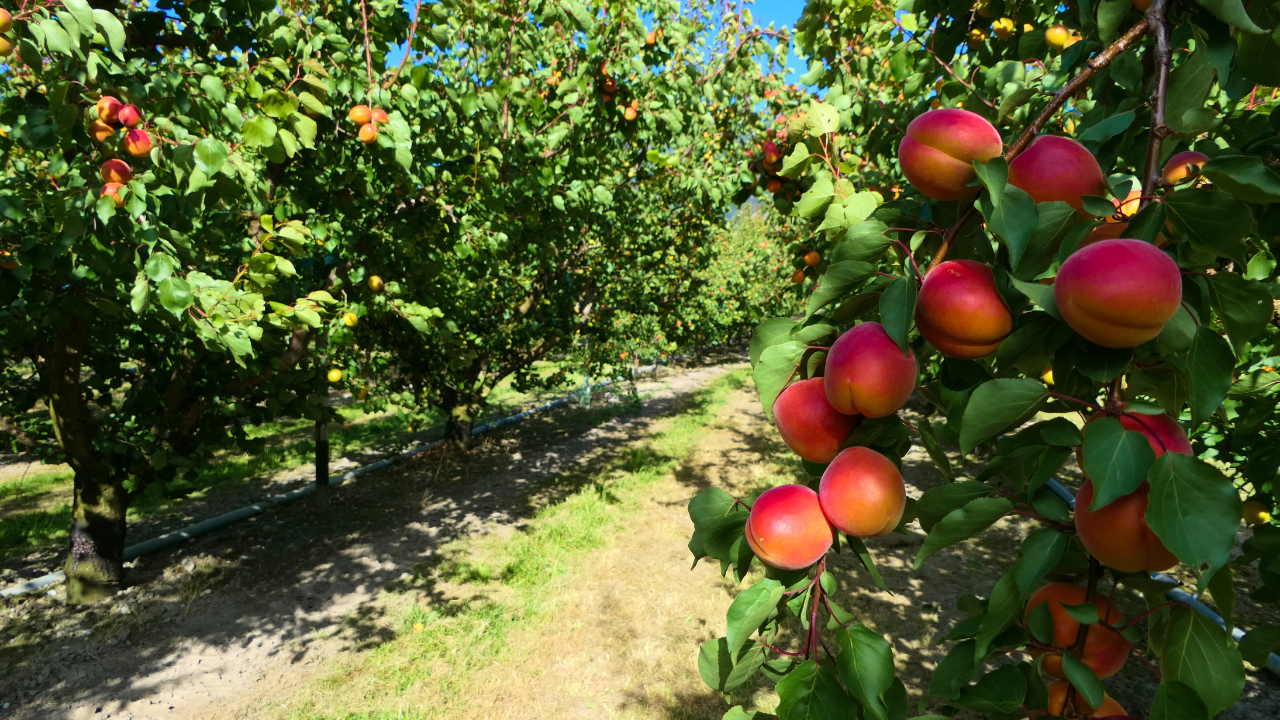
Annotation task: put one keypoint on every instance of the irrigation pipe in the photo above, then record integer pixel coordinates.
(176, 537)
(1176, 594)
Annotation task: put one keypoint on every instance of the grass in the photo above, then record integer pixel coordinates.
(439, 646)
(35, 513)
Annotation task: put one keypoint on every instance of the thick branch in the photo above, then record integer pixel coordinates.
(11, 427)
(1159, 130)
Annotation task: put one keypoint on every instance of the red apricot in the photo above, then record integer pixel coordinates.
(786, 528)
(862, 493)
(774, 186)
(108, 108)
(116, 171)
(113, 189)
(1058, 704)
(378, 115)
(137, 143)
(1118, 293)
(129, 116)
(868, 374)
(812, 258)
(808, 424)
(1184, 165)
(939, 148)
(1105, 651)
(1057, 168)
(960, 312)
(99, 130)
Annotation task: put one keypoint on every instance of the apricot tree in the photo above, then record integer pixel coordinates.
(1064, 241)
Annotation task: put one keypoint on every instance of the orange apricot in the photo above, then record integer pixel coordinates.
(1183, 166)
(129, 116)
(360, 115)
(116, 171)
(786, 528)
(868, 374)
(113, 190)
(1058, 704)
(368, 133)
(808, 424)
(862, 493)
(960, 312)
(137, 143)
(108, 108)
(1057, 168)
(939, 148)
(1105, 651)
(1118, 293)
(99, 131)
(812, 258)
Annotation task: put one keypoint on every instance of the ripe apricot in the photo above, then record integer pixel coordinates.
(977, 35)
(798, 277)
(1057, 36)
(868, 374)
(116, 170)
(1057, 168)
(6, 47)
(960, 312)
(1183, 166)
(129, 116)
(1058, 704)
(6, 21)
(774, 186)
(1118, 293)
(335, 375)
(1141, 5)
(1256, 513)
(108, 108)
(812, 258)
(862, 493)
(7, 260)
(1105, 651)
(939, 148)
(786, 528)
(375, 283)
(1003, 28)
(368, 133)
(113, 189)
(378, 115)
(137, 143)
(808, 424)
(350, 319)
(360, 114)
(867, 52)
(630, 114)
(99, 130)
(650, 38)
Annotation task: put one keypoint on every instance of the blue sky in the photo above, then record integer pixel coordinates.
(781, 12)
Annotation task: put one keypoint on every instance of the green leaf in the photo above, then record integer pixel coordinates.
(749, 609)
(55, 38)
(175, 295)
(1040, 553)
(953, 671)
(771, 332)
(1231, 12)
(278, 105)
(1209, 366)
(962, 524)
(794, 165)
(111, 29)
(777, 366)
(1189, 85)
(1245, 306)
(1244, 176)
(936, 502)
(1110, 14)
(897, 308)
(723, 670)
(1083, 680)
(1110, 127)
(1002, 610)
(1194, 509)
(305, 128)
(1117, 460)
(140, 297)
(211, 86)
(997, 406)
(839, 280)
(1222, 588)
(737, 713)
(994, 175)
(1054, 219)
(815, 200)
(823, 118)
(210, 154)
(999, 692)
(1214, 222)
(936, 453)
(864, 556)
(1259, 58)
(1041, 295)
(865, 662)
(1201, 655)
(1013, 220)
(813, 692)
(1175, 701)
(1259, 643)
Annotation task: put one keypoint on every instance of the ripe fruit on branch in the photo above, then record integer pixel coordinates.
(939, 148)
(116, 170)
(1057, 168)
(360, 114)
(99, 131)
(862, 493)
(6, 21)
(808, 424)
(812, 258)
(335, 375)
(108, 109)
(7, 260)
(867, 374)
(786, 528)
(375, 283)
(1183, 166)
(1058, 704)
(6, 47)
(112, 189)
(350, 319)
(368, 133)
(1105, 651)
(960, 311)
(630, 114)
(378, 115)
(650, 39)
(1256, 513)
(798, 277)
(137, 143)
(774, 186)
(1057, 36)
(977, 35)
(1003, 28)
(1118, 293)
(129, 116)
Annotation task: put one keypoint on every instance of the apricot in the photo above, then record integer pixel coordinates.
(6, 21)
(116, 170)
(113, 189)
(808, 424)
(630, 114)
(960, 312)
(1106, 231)
(650, 38)
(7, 260)
(1003, 28)
(1184, 165)
(862, 493)
(798, 277)
(774, 186)
(1256, 513)
(939, 148)
(99, 131)
(350, 319)
(1105, 651)
(1058, 704)
(1057, 36)
(108, 108)
(335, 375)
(360, 115)
(378, 115)
(977, 35)
(786, 528)
(129, 116)
(1141, 5)
(1162, 432)
(1057, 168)
(137, 143)
(812, 258)
(375, 283)
(368, 133)
(6, 47)
(868, 374)
(1118, 293)
(867, 52)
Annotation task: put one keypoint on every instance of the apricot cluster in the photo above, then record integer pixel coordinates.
(112, 115)
(368, 119)
(1104, 651)
(6, 24)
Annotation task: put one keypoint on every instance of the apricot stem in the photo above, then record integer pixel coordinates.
(950, 235)
(1140, 618)
(1090, 597)
(1155, 18)
(907, 250)
(1187, 307)
(777, 650)
(368, 57)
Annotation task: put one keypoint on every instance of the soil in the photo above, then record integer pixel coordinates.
(247, 623)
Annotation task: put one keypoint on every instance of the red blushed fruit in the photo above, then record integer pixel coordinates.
(786, 528)
(808, 424)
(129, 116)
(1057, 168)
(1058, 704)
(960, 312)
(137, 143)
(1117, 533)
(939, 148)
(1118, 293)
(867, 374)
(113, 190)
(116, 171)
(108, 109)
(1105, 651)
(1163, 432)
(1184, 165)
(862, 493)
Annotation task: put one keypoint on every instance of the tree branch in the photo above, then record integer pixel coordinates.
(408, 46)
(11, 427)
(1159, 130)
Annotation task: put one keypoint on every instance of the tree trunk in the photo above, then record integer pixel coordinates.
(461, 420)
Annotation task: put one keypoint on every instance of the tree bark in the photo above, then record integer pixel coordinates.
(461, 420)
